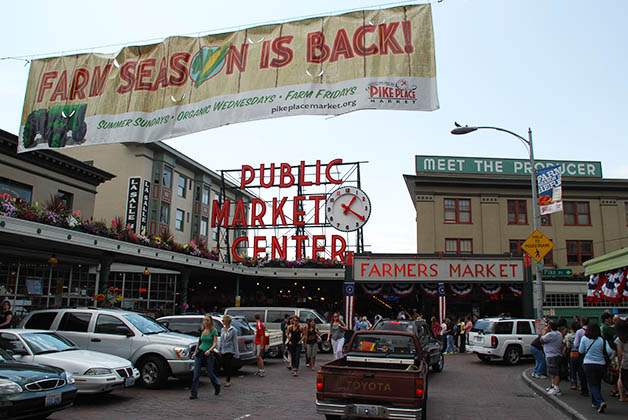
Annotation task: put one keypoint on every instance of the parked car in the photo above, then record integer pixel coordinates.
(507, 339)
(272, 317)
(191, 325)
(432, 347)
(156, 352)
(93, 371)
(33, 390)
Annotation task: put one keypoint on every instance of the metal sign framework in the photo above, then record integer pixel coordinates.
(347, 172)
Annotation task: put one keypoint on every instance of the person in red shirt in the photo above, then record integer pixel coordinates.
(260, 339)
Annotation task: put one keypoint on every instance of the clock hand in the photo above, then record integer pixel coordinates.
(348, 209)
(350, 204)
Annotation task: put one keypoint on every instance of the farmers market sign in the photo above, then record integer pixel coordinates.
(375, 59)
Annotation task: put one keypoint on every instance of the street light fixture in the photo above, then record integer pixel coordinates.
(459, 130)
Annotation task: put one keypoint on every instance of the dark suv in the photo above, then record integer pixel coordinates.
(432, 347)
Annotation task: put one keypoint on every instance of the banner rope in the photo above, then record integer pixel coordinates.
(29, 57)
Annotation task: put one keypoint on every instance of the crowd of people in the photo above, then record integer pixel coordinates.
(454, 335)
(584, 353)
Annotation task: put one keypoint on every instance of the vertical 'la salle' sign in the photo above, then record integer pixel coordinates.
(144, 208)
(132, 202)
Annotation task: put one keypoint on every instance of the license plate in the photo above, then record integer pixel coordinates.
(129, 382)
(366, 410)
(53, 399)
(479, 339)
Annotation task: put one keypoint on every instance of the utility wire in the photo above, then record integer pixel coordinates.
(29, 57)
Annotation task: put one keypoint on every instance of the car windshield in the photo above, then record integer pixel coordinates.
(393, 326)
(144, 324)
(42, 343)
(481, 325)
(4, 356)
(384, 344)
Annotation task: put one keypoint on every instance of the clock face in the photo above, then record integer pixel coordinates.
(347, 208)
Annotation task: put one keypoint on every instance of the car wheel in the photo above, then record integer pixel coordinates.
(424, 405)
(332, 417)
(483, 358)
(324, 346)
(512, 355)
(273, 352)
(438, 366)
(153, 372)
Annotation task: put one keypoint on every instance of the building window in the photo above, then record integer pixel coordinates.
(178, 224)
(164, 215)
(546, 220)
(205, 199)
(181, 186)
(66, 198)
(579, 251)
(167, 177)
(457, 210)
(517, 212)
(215, 233)
(16, 189)
(626, 206)
(562, 299)
(204, 226)
(577, 213)
(517, 251)
(459, 246)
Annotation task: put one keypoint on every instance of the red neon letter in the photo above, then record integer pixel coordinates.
(328, 169)
(234, 247)
(246, 179)
(317, 204)
(257, 249)
(338, 252)
(315, 248)
(257, 218)
(297, 211)
(285, 171)
(299, 239)
(220, 215)
(276, 249)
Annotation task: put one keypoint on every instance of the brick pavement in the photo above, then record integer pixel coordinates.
(466, 389)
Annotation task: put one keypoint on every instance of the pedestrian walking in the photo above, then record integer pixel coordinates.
(207, 342)
(608, 334)
(552, 340)
(337, 335)
(462, 341)
(582, 380)
(284, 347)
(311, 342)
(296, 335)
(572, 355)
(621, 342)
(443, 333)
(592, 347)
(228, 348)
(260, 341)
(7, 315)
(449, 333)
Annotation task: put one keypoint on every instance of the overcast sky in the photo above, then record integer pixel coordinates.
(559, 67)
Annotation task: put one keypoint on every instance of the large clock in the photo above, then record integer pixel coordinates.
(347, 208)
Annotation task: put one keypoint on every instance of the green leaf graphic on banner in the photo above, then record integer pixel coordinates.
(207, 63)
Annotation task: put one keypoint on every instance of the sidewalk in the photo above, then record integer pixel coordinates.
(575, 405)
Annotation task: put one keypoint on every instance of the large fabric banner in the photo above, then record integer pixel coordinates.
(549, 182)
(375, 59)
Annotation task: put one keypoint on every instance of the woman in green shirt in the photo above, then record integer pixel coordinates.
(207, 342)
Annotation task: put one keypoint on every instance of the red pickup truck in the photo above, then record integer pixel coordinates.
(383, 375)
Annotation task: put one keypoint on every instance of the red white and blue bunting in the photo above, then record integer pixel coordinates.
(491, 289)
(373, 289)
(461, 289)
(402, 289)
(610, 285)
(430, 288)
(516, 290)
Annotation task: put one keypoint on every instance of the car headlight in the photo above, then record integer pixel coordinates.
(182, 352)
(69, 378)
(9, 387)
(98, 371)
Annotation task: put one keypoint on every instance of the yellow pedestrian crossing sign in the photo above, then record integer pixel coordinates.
(537, 246)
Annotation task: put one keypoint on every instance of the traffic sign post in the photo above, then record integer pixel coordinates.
(537, 246)
(558, 272)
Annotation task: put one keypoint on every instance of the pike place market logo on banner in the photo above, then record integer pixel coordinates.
(328, 65)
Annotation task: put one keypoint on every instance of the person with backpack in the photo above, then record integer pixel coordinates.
(594, 349)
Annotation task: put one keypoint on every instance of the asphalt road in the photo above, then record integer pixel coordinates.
(466, 389)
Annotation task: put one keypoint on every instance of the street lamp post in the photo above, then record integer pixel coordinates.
(535, 199)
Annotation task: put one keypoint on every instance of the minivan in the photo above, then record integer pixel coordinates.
(272, 317)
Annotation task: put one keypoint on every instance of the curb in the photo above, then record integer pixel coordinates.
(557, 402)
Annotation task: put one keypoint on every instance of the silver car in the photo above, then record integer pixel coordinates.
(191, 325)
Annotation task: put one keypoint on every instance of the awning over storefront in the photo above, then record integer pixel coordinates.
(607, 262)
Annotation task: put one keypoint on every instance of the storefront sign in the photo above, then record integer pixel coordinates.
(144, 208)
(416, 269)
(330, 65)
(491, 166)
(132, 202)
(549, 185)
(557, 272)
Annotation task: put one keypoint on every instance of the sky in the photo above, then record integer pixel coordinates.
(558, 67)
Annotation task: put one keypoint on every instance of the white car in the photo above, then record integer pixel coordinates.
(507, 339)
(94, 372)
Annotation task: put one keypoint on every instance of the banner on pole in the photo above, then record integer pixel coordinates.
(331, 65)
(549, 182)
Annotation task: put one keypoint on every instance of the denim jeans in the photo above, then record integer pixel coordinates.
(594, 375)
(450, 344)
(295, 351)
(541, 365)
(198, 361)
